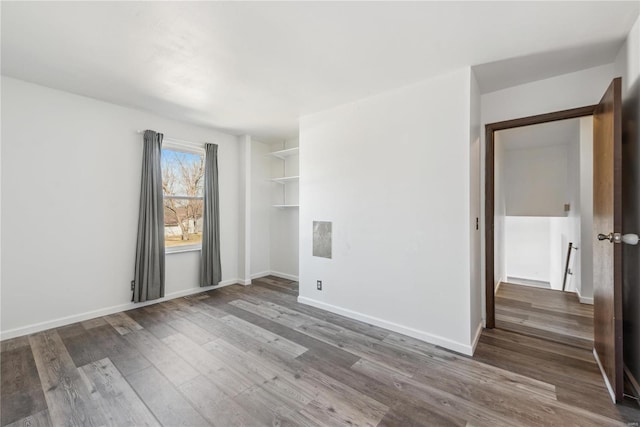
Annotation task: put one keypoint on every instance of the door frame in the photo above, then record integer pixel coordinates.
(489, 201)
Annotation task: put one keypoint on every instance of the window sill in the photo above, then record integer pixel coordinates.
(179, 249)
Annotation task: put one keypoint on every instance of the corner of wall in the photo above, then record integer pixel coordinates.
(476, 338)
(284, 223)
(584, 300)
(244, 225)
(627, 62)
(475, 210)
(632, 381)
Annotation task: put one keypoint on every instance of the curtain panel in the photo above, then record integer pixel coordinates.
(210, 269)
(149, 263)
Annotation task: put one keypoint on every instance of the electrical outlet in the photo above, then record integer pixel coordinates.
(133, 285)
(319, 285)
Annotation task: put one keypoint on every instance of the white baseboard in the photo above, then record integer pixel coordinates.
(500, 280)
(67, 320)
(259, 275)
(415, 333)
(476, 338)
(604, 375)
(495, 290)
(584, 300)
(246, 282)
(276, 274)
(635, 386)
(508, 279)
(284, 275)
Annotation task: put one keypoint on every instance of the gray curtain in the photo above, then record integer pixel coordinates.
(210, 271)
(149, 268)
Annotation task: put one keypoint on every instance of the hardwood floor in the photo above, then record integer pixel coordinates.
(549, 314)
(254, 356)
(547, 334)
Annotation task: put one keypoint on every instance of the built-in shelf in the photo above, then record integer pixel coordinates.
(287, 199)
(282, 154)
(285, 179)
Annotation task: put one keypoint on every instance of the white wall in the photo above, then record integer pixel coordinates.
(539, 180)
(563, 92)
(574, 214)
(627, 63)
(537, 249)
(244, 209)
(571, 90)
(285, 243)
(528, 240)
(284, 222)
(476, 300)
(70, 195)
(585, 243)
(391, 172)
(1, 173)
(260, 209)
(500, 212)
(536, 181)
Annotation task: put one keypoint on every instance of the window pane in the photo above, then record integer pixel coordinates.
(182, 222)
(182, 173)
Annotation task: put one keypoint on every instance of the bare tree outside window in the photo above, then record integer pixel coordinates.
(183, 189)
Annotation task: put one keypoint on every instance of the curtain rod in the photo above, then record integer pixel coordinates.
(179, 141)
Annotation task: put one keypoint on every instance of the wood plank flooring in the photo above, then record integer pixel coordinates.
(253, 356)
(546, 334)
(545, 313)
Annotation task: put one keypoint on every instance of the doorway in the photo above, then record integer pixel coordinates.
(490, 183)
(607, 220)
(543, 226)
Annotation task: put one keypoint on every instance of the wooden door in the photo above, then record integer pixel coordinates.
(607, 220)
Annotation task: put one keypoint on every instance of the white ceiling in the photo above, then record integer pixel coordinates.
(562, 132)
(255, 67)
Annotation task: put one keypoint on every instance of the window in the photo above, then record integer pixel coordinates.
(183, 191)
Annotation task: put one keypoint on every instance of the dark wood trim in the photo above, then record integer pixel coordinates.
(617, 225)
(489, 207)
(543, 118)
(489, 201)
(566, 267)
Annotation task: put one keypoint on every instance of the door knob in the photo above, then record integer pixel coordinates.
(629, 239)
(608, 237)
